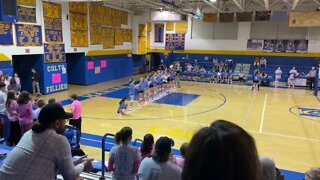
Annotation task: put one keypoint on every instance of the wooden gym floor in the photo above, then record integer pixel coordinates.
(284, 122)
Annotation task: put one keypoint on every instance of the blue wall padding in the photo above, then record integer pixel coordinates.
(118, 66)
(139, 61)
(272, 60)
(76, 68)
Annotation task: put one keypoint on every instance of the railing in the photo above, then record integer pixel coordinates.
(103, 148)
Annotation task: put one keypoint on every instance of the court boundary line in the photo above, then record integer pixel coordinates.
(285, 136)
(248, 111)
(263, 112)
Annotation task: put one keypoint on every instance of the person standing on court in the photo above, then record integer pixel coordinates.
(3, 98)
(35, 81)
(76, 108)
(312, 77)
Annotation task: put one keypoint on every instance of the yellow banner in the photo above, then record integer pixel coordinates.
(169, 26)
(78, 7)
(210, 17)
(304, 19)
(107, 32)
(142, 30)
(117, 20)
(107, 18)
(142, 45)
(108, 43)
(95, 34)
(79, 38)
(95, 13)
(32, 3)
(51, 10)
(181, 27)
(118, 36)
(78, 21)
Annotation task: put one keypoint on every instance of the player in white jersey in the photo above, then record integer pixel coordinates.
(278, 74)
(292, 77)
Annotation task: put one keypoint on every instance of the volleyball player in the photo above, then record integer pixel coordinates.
(140, 92)
(278, 77)
(256, 80)
(230, 77)
(292, 77)
(131, 93)
(122, 106)
(146, 88)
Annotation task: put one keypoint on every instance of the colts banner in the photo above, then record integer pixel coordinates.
(175, 41)
(54, 52)
(159, 33)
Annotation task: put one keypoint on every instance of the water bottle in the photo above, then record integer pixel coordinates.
(74, 138)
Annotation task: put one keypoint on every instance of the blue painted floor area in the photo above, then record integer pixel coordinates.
(291, 175)
(178, 99)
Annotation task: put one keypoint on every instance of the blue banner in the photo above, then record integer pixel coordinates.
(54, 52)
(159, 33)
(53, 29)
(175, 41)
(55, 77)
(28, 35)
(6, 36)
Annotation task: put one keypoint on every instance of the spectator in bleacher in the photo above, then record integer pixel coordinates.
(124, 159)
(6, 80)
(183, 151)
(16, 77)
(15, 130)
(256, 62)
(263, 62)
(25, 111)
(14, 86)
(230, 77)
(189, 68)
(268, 168)
(312, 77)
(44, 152)
(52, 101)
(312, 174)
(158, 166)
(147, 146)
(278, 76)
(117, 138)
(76, 109)
(40, 104)
(241, 77)
(3, 98)
(292, 77)
(222, 151)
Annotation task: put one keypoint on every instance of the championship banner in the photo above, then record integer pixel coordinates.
(32, 3)
(280, 45)
(107, 18)
(254, 45)
(169, 26)
(95, 15)
(28, 35)
(54, 52)
(6, 35)
(244, 17)
(262, 15)
(78, 21)
(95, 34)
(226, 17)
(52, 22)
(301, 46)
(26, 14)
(175, 41)
(118, 36)
(210, 17)
(159, 33)
(78, 7)
(108, 37)
(268, 46)
(304, 19)
(79, 38)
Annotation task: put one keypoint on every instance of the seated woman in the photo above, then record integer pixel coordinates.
(147, 146)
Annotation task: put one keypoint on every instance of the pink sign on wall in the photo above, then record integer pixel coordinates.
(97, 70)
(90, 65)
(56, 78)
(103, 63)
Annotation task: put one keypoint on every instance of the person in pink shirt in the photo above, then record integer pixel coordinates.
(15, 130)
(25, 111)
(76, 109)
(183, 151)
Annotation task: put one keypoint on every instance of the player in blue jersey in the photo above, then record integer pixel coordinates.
(146, 88)
(140, 88)
(256, 80)
(122, 106)
(131, 93)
